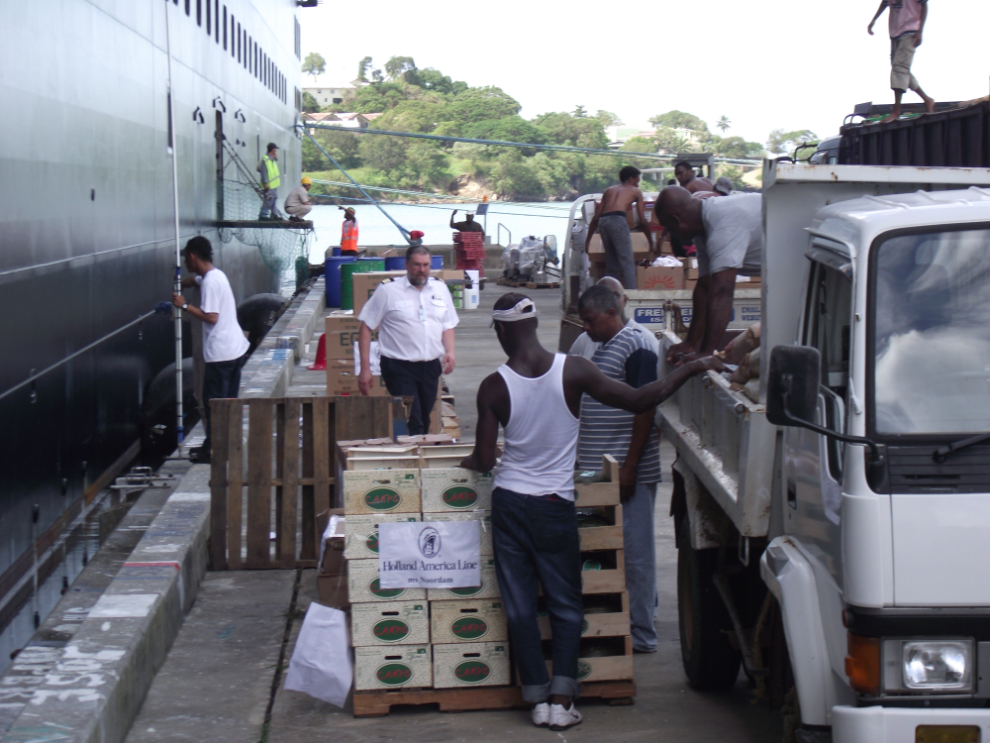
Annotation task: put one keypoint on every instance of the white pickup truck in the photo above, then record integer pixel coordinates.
(835, 535)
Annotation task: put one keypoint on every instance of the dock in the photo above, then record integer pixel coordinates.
(170, 650)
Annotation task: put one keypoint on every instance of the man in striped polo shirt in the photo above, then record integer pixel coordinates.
(625, 356)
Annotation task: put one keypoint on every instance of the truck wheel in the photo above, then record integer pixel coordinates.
(710, 661)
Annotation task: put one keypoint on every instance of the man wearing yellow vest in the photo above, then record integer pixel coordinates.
(268, 167)
(349, 233)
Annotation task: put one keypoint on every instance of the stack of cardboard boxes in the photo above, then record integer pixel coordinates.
(416, 638)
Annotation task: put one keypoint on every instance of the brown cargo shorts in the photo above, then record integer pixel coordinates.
(901, 56)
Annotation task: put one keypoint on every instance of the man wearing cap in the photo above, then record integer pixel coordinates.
(224, 345)
(349, 232)
(270, 180)
(415, 318)
(297, 203)
(468, 225)
(536, 397)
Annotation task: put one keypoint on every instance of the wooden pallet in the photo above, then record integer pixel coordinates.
(276, 466)
(380, 703)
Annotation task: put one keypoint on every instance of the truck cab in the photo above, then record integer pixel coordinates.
(845, 514)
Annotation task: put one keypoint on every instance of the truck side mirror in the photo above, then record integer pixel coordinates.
(792, 385)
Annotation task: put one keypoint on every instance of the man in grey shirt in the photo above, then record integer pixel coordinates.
(729, 235)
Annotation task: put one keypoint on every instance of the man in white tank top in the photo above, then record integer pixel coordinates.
(536, 397)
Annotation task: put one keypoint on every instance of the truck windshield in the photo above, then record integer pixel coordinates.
(932, 333)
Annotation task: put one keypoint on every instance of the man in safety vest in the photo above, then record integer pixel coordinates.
(349, 233)
(268, 167)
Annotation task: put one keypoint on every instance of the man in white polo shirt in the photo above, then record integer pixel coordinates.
(224, 345)
(415, 318)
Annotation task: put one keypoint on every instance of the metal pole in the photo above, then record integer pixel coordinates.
(178, 248)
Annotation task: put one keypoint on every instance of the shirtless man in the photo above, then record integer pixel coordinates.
(610, 220)
(468, 225)
(686, 177)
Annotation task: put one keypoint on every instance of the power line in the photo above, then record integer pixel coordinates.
(444, 208)
(460, 199)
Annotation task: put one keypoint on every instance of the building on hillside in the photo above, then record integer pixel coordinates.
(328, 92)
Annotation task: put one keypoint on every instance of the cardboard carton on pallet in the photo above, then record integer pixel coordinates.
(401, 667)
(455, 489)
(363, 585)
(390, 623)
(361, 533)
(475, 620)
(487, 590)
(471, 664)
(381, 491)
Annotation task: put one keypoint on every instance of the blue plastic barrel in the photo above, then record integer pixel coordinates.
(335, 251)
(332, 274)
(395, 263)
(436, 262)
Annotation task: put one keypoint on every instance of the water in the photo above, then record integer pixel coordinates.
(534, 218)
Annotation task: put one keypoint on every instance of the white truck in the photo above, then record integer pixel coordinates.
(835, 535)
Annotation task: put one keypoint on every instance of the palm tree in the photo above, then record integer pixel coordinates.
(723, 123)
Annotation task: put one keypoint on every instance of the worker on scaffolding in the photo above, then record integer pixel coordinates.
(270, 180)
(468, 225)
(349, 232)
(297, 203)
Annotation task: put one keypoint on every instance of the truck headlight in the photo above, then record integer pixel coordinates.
(932, 666)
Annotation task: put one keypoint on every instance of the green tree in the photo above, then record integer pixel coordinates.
(736, 147)
(671, 141)
(476, 105)
(723, 123)
(567, 129)
(431, 79)
(608, 118)
(377, 76)
(378, 97)
(396, 67)
(363, 66)
(342, 146)
(781, 141)
(679, 120)
(579, 112)
(314, 64)
(309, 104)
(639, 144)
(412, 116)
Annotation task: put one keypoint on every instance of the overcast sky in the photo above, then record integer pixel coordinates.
(765, 65)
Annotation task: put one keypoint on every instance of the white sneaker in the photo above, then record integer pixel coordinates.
(541, 715)
(561, 719)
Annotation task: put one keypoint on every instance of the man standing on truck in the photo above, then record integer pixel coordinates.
(536, 397)
(685, 175)
(610, 220)
(625, 356)
(907, 21)
(729, 235)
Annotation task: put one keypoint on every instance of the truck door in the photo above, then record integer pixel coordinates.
(813, 463)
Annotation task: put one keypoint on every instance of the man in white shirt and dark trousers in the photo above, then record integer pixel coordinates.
(536, 397)
(224, 345)
(415, 318)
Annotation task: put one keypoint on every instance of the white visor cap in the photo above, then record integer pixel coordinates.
(522, 310)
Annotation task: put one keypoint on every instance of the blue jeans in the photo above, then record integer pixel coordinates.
(641, 564)
(268, 207)
(536, 542)
(221, 379)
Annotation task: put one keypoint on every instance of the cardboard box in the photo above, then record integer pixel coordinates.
(471, 664)
(659, 277)
(364, 285)
(456, 489)
(381, 491)
(487, 590)
(331, 582)
(363, 587)
(341, 380)
(341, 329)
(641, 248)
(449, 274)
(485, 527)
(390, 623)
(404, 666)
(632, 214)
(468, 621)
(607, 668)
(361, 533)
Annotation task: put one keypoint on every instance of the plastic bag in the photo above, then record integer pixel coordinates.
(322, 665)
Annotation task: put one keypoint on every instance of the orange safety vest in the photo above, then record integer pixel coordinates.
(349, 236)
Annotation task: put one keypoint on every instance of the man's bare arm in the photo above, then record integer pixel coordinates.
(696, 331)
(593, 225)
(641, 210)
(924, 17)
(880, 10)
(482, 459)
(718, 309)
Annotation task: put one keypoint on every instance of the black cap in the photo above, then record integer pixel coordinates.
(272, 146)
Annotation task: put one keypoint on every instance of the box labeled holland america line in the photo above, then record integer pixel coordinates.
(390, 623)
(471, 664)
(480, 620)
(487, 548)
(404, 666)
(361, 533)
(381, 491)
(456, 489)
(363, 585)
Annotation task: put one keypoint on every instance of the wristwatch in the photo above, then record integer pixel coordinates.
(185, 306)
